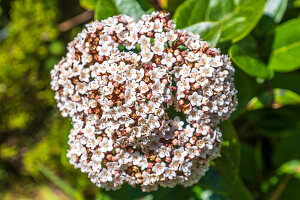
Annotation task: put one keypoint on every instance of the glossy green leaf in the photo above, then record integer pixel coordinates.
(275, 9)
(108, 8)
(208, 31)
(237, 18)
(88, 4)
(105, 9)
(273, 13)
(276, 99)
(245, 55)
(190, 12)
(240, 21)
(286, 47)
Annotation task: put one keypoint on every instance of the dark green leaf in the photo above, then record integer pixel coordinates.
(208, 31)
(287, 149)
(251, 162)
(244, 54)
(286, 47)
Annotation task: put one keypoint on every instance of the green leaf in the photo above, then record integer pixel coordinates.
(275, 9)
(208, 31)
(251, 162)
(287, 149)
(244, 55)
(286, 47)
(273, 13)
(237, 18)
(108, 8)
(238, 23)
(105, 9)
(190, 12)
(88, 4)
(278, 98)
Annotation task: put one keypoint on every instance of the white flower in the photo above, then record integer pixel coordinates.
(153, 121)
(179, 154)
(164, 152)
(193, 151)
(174, 164)
(207, 70)
(185, 70)
(160, 38)
(121, 83)
(195, 99)
(170, 174)
(168, 59)
(159, 168)
(148, 26)
(104, 50)
(108, 89)
(97, 155)
(88, 130)
(143, 87)
(105, 176)
(171, 36)
(143, 163)
(158, 48)
(92, 103)
(177, 123)
(188, 131)
(146, 56)
(158, 26)
(106, 145)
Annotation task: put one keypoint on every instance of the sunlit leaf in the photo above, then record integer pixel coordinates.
(238, 23)
(190, 12)
(273, 13)
(278, 98)
(208, 31)
(88, 4)
(108, 8)
(286, 47)
(237, 18)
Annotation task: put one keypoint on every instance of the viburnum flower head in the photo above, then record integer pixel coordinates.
(124, 85)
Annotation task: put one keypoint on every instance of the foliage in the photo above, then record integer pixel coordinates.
(261, 147)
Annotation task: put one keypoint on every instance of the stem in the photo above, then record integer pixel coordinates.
(79, 19)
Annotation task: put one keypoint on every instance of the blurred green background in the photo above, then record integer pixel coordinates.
(261, 148)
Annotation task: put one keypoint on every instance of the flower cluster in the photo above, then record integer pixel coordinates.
(124, 84)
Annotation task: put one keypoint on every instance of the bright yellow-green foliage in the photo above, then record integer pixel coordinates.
(21, 62)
